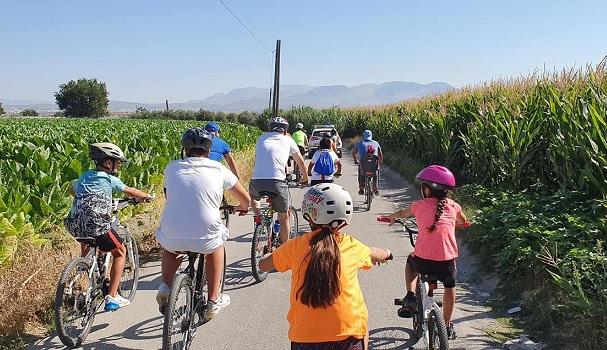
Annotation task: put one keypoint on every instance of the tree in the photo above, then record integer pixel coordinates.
(1, 109)
(83, 98)
(29, 113)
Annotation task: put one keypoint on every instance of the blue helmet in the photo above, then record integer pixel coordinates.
(212, 127)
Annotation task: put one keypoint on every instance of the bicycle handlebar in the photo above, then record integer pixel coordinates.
(232, 209)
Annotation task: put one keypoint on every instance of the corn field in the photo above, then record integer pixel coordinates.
(39, 159)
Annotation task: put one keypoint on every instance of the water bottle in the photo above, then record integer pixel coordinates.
(276, 226)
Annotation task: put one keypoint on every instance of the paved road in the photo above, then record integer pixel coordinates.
(256, 318)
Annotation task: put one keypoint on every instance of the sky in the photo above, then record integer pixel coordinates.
(149, 51)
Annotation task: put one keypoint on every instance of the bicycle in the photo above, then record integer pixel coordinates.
(85, 282)
(225, 210)
(409, 226)
(265, 237)
(191, 287)
(369, 166)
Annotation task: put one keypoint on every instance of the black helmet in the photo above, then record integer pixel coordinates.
(106, 150)
(197, 138)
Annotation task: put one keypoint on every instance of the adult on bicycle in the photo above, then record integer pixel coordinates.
(220, 149)
(272, 152)
(91, 212)
(191, 221)
(362, 149)
(301, 138)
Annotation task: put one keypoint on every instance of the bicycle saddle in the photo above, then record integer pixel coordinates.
(268, 194)
(87, 240)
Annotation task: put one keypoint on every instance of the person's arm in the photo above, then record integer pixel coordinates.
(231, 163)
(306, 140)
(301, 164)
(403, 213)
(354, 153)
(242, 196)
(380, 156)
(135, 193)
(266, 263)
(310, 167)
(338, 173)
(379, 255)
(461, 219)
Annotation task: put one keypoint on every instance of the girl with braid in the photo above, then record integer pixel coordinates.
(435, 251)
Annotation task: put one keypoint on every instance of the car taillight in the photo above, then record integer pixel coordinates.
(313, 138)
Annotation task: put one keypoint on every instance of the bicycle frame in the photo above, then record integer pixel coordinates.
(428, 304)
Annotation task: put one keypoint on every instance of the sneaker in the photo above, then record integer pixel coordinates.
(213, 307)
(376, 192)
(361, 192)
(451, 332)
(115, 303)
(162, 297)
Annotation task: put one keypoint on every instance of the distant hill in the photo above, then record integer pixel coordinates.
(256, 99)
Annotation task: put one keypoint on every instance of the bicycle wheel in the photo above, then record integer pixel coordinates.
(74, 309)
(176, 332)
(130, 274)
(437, 331)
(259, 247)
(368, 192)
(294, 221)
(225, 213)
(418, 316)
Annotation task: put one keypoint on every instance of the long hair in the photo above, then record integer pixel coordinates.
(321, 287)
(325, 143)
(441, 195)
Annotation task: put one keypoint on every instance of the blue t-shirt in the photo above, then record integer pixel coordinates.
(362, 148)
(219, 148)
(91, 212)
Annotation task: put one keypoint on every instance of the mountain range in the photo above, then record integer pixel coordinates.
(256, 99)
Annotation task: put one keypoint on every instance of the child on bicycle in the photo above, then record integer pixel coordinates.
(91, 212)
(327, 307)
(435, 251)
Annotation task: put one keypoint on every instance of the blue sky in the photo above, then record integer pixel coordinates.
(147, 51)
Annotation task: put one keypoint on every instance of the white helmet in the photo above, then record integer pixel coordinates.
(299, 126)
(103, 150)
(327, 204)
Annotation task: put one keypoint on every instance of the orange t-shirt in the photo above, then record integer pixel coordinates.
(348, 316)
(440, 244)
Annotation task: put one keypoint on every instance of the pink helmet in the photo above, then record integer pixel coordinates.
(437, 177)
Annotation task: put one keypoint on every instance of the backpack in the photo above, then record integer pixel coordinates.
(370, 164)
(325, 166)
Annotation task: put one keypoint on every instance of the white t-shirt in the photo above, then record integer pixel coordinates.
(272, 153)
(317, 176)
(194, 189)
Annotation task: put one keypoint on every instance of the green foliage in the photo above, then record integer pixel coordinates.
(29, 113)
(245, 117)
(83, 98)
(530, 238)
(40, 158)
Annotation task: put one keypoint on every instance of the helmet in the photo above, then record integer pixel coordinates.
(437, 177)
(299, 126)
(327, 204)
(367, 135)
(197, 138)
(279, 124)
(371, 149)
(104, 150)
(212, 127)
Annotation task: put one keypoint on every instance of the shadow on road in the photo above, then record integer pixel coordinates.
(238, 275)
(391, 338)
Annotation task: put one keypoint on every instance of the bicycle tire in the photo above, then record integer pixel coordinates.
(89, 307)
(437, 331)
(294, 222)
(260, 240)
(182, 282)
(368, 193)
(128, 288)
(418, 316)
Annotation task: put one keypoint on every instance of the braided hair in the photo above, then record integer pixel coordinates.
(441, 195)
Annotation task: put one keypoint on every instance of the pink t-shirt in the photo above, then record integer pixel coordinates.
(440, 244)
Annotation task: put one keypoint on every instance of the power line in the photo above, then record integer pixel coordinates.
(244, 26)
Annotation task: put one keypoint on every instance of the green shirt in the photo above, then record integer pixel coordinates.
(300, 138)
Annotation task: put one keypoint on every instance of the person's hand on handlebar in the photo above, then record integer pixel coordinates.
(242, 209)
(148, 198)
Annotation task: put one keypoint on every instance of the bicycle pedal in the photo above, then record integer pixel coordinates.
(404, 313)
(439, 303)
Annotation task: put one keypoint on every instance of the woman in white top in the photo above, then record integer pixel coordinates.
(322, 172)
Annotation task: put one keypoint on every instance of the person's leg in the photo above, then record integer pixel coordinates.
(410, 277)
(214, 270)
(170, 264)
(448, 304)
(119, 255)
(366, 341)
(361, 182)
(285, 226)
(253, 192)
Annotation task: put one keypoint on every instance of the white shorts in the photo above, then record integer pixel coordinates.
(202, 246)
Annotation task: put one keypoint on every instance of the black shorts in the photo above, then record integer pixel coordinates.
(302, 150)
(346, 344)
(109, 241)
(445, 271)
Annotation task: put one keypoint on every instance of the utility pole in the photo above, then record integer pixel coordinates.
(270, 100)
(276, 91)
(167, 103)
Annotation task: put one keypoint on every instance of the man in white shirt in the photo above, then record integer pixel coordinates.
(319, 174)
(272, 153)
(191, 220)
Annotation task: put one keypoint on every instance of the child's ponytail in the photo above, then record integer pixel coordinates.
(440, 207)
(321, 286)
